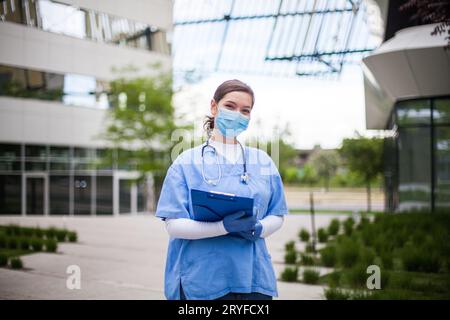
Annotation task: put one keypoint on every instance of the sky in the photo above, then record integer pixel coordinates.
(317, 111)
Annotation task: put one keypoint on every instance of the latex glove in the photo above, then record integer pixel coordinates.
(253, 234)
(236, 223)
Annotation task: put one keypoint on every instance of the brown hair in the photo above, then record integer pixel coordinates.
(227, 87)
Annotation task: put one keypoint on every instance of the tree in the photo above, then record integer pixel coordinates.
(431, 11)
(364, 156)
(326, 163)
(309, 175)
(141, 121)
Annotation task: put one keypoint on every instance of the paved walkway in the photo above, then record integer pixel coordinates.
(122, 258)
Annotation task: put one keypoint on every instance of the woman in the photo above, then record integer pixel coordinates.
(203, 260)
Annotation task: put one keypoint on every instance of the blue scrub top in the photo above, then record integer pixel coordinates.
(212, 267)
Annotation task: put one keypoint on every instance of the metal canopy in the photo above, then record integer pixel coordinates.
(270, 37)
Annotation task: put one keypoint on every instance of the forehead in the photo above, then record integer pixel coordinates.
(242, 99)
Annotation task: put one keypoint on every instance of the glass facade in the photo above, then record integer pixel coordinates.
(417, 158)
(70, 89)
(75, 180)
(81, 23)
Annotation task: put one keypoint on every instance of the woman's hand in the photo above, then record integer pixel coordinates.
(236, 223)
(254, 234)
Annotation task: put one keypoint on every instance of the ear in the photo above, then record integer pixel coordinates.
(213, 108)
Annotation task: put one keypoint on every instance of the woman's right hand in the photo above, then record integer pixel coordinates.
(236, 223)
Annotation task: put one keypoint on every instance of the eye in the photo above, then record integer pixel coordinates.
(229, 106)
(246, 111)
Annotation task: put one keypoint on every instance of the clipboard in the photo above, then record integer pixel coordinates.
(211, 206)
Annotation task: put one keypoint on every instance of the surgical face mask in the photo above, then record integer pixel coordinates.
(231, 123)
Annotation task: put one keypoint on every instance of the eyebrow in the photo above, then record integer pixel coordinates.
(236, 104)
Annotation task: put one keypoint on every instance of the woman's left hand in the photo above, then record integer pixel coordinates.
(254, 234)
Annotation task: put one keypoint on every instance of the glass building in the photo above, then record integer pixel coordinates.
(54, 180)
(56, 62)
(407, 93)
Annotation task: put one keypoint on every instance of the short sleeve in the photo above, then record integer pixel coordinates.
(174, 198)
(277, 203)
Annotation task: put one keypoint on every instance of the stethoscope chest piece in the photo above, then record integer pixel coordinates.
(244, 178)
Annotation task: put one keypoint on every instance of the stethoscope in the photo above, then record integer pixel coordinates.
(244, 176)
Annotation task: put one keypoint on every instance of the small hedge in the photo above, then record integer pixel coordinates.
(328, 256)
(304, 235)
(290, 257)
(51, 245)
(322, 235)
(333, 227)
(310, 276)
(16, 240)
(306, 259)
(16, 263)
(289, 274)
(289, 246)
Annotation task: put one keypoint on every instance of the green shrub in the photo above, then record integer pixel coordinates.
(51, 245)
(322, 235)
(39, 233)
(290, 257)
(36, 244)
(348, 253)
(367, 256)
(13, 230)
(420, 259)
(356, 276)
(289, 246)
(306, 260)
(348, 226)
(72, 235)
(24, 243)
(50, 233)
(336, 294)
(310, 276)
(304, 235)
(333, 227)
(61, 235)
(328, 256)
(333, 279)
(16, 263)
(289, 274)
(27, 232)
(13, 243)
(309, 248)
(3, 260)
(363, 223)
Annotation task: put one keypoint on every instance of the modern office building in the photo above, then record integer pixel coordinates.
(56, 60)
(407, 90)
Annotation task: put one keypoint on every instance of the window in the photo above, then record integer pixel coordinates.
(414, 167)
(10, 194)
(413, 112)
(104, 195)
(59, 194)
(85, 24)
(70, 89)
(10, 156)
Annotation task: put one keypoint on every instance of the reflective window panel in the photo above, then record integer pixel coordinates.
(10, 194)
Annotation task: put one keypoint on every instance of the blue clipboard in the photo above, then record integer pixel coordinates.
(213, 206)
